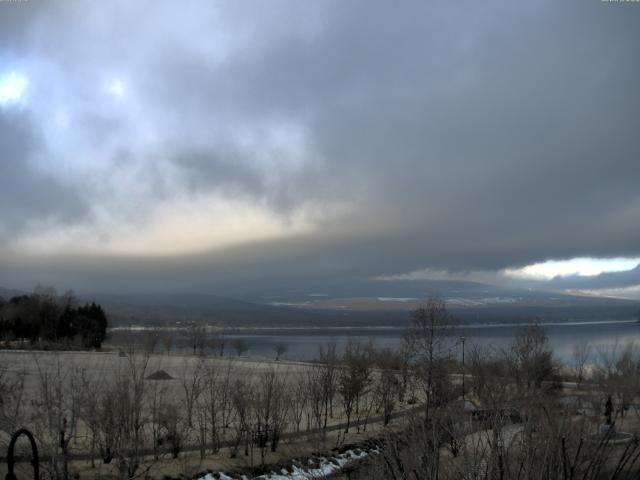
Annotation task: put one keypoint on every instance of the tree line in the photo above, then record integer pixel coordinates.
(51, 320)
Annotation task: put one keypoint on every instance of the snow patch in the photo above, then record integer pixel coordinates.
(325, 467)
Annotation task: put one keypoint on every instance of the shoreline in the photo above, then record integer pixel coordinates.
(346, 328)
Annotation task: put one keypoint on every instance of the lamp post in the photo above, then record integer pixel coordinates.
(462, 340)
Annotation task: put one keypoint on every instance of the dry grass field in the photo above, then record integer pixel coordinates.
(203, 412)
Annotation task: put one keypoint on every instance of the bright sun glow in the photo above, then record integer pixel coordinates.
(583, 266)
(12, 88)
(116, 88)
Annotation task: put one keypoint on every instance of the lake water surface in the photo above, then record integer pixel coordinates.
(303, 343)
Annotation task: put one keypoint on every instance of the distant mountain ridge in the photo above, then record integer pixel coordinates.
(458, 294)
(365, 303)
(8, 293)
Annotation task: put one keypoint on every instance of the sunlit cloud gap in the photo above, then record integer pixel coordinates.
(12, 88)
(581, 266)
(542, 271)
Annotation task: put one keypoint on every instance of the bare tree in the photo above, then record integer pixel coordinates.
(269, 410)
(240, 346)
(530, 360)
(488, 375)
(607, 356)
(12, 381)
(156, 404)
(242, 400)
(353, 379)
(57, 406)
(328, 359)
(216, 401)
(627, 379)
(151, 340)
(191, 387)
(429, 349)
(197, 335)
(167, 342)
(91, 387)
(617, 370)
(386, 387)
(279, 349)
(317, 394)
(581, 355)
(299, 400)
(217, 342)
(124, 408)
(171, 420)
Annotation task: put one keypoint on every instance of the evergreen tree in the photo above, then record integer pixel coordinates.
(43, 316)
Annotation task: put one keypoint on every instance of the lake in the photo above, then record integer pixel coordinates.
(303, 343)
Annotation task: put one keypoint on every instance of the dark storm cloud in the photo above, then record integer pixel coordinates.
(461, 136)
(26, 194)
(480, 144)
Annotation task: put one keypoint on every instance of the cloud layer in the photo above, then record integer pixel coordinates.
(229, 143)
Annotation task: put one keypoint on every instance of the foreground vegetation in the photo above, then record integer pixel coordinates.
(503, 414)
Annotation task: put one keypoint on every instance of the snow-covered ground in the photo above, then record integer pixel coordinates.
(317, 468)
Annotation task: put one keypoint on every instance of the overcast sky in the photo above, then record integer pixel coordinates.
(212, 146)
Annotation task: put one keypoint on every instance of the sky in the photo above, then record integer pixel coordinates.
(221, 146)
